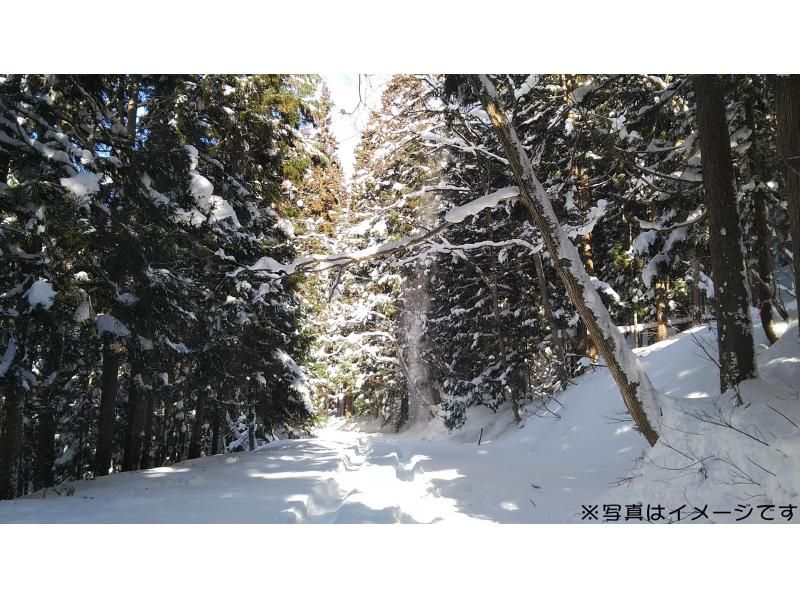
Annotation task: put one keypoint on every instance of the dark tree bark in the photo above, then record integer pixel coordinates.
(44, 447)
(734, 327)
(136, 417)
(11, 439)
(787, 112)
(636, 389)
(251, 430)
(197, 427)
(500, 333)
(44, 453)
(137, 414)
(5, 162)
(697, 298)
(556, 331)
(108, 399)
(215, 432)
(762, 284)
(147, 436)
(111, 360)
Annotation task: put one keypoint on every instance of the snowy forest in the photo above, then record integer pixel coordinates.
(532, 298)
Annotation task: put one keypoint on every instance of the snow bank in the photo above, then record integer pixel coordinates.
(730, 453)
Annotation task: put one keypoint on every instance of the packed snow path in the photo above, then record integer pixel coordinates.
(339, 477)
(353, 477)
(542, 471)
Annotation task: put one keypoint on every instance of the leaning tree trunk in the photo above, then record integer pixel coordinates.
(734, 327)
(635, 387)
(108, 399)
(787, 112)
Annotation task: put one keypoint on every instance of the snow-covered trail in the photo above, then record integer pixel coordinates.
(339, 477)
(541, 471)
(307, 480)
(347, 477)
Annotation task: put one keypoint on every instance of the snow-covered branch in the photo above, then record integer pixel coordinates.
(316, 262)
(696, 216)
(461, 144)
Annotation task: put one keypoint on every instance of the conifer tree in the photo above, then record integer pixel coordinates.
(734, 327)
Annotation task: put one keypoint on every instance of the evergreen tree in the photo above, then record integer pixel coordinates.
(734, 327)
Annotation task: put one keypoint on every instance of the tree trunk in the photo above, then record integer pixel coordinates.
(167, 432)
(348, 405)
(787, 112)
(511, 379)
(763, 278)
(147, 437)
(697, 298)
(635, 387)
(765, 282)
(662, 333)
(587, 257)
(108, 399)
(137, 414)
(215, 423)
(44, 448)
(130, 460)
(197, 428)
(5, 162)
(251, 431)
(11, 439)
(555, 329)
(133, 105)
(734, 327)
(133, 399)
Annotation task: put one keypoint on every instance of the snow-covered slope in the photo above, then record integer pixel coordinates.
(541, 471)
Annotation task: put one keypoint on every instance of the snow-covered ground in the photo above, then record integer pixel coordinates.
(541, 471)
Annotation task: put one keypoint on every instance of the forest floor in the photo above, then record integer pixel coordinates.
(543, 470)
